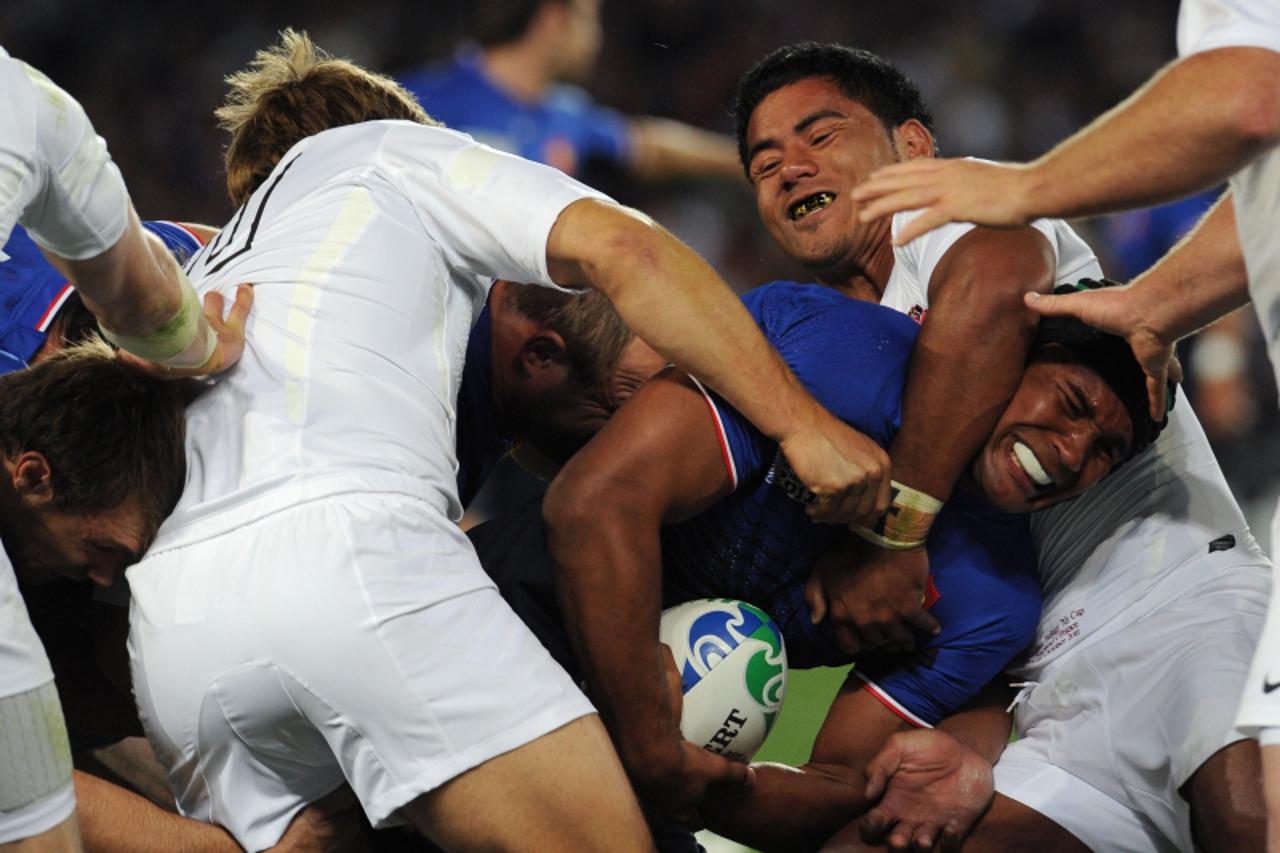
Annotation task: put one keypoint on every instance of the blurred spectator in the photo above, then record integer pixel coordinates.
(506, 91)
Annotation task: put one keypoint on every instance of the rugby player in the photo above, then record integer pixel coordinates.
(510, 91)
(93, 460)
(60, 182)
(672, 502)
(342, 627)
(1154, 589)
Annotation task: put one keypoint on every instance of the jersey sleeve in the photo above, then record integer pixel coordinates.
(491, 213)
(180, 240)
(849, 354)
(923, 254)
(1211, 24)
(988, 604)
(56, 176)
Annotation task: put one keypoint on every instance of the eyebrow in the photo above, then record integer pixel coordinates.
(799, 127)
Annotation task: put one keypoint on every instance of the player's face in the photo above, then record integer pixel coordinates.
(1063, 431)
(582, 40)
(809, 146)
(562, 419)
(82, 546)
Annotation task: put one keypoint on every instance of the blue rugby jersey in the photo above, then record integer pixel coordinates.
(32, 290)
(758, 545)
(565, 129)
(480, 446)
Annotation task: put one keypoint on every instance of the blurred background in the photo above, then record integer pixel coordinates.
(1006, 80)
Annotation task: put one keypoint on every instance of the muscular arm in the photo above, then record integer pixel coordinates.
(113, 819)
(965, 366)
(798, 808)
(970, 353)
(1190, 127)
(677, 304)
(657, 460)
(1194, 124)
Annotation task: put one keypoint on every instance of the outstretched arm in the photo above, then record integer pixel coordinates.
(797, 808)
(662, 148)
(1193, 125)
(657, 460)
(676, 303)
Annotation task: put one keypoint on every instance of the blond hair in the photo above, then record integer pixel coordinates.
(293, 90)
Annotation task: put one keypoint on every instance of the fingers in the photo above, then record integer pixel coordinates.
(1064, 305)
(922, 620)
(874, 825)
(815, 598)
(1156, 396)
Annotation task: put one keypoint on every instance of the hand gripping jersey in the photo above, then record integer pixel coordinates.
(565, 129)
(758, 545)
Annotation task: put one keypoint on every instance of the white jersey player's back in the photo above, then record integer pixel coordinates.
(370, 248)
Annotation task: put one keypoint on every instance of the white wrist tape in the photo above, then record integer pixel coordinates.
(34, 751)
(184, 340)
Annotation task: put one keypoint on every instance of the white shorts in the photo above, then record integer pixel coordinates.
(1260, 705)
(1111, 731)
(312, 647)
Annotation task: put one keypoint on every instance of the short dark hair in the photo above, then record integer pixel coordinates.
(111, 433)
(593, 331)
(1111, 358)
(861, 75)
(494, 23)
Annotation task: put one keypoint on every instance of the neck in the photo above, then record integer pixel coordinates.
(522, 69)
(866, 274)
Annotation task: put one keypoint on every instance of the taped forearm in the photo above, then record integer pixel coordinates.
(184, 340)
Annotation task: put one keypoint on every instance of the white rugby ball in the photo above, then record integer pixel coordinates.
(733, 671)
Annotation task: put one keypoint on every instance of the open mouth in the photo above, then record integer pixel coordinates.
(810, 204)
(1026, 459)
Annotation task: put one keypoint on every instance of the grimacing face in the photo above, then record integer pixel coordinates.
(1062, 432)
(808, 146)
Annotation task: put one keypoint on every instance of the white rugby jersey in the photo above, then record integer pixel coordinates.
(1127, 545)
(1208, 25)
(371, 249)
(56, 176)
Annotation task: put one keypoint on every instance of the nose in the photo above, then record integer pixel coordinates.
(104, 574)
(1075, 447)
(796, 166)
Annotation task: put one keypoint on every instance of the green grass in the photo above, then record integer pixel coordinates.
(809, 694)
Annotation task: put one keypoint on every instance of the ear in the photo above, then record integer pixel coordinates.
(32, 477)
(543, 352)
(912, 139)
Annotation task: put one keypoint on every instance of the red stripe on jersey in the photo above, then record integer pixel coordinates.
(886, 700)
(195, 236)
(931, 594)
(47, 317)
(725, 454)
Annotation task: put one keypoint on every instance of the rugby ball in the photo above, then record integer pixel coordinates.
(733, 672)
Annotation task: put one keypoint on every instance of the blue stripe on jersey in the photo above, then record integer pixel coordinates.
(758, 545)
(32, 290)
